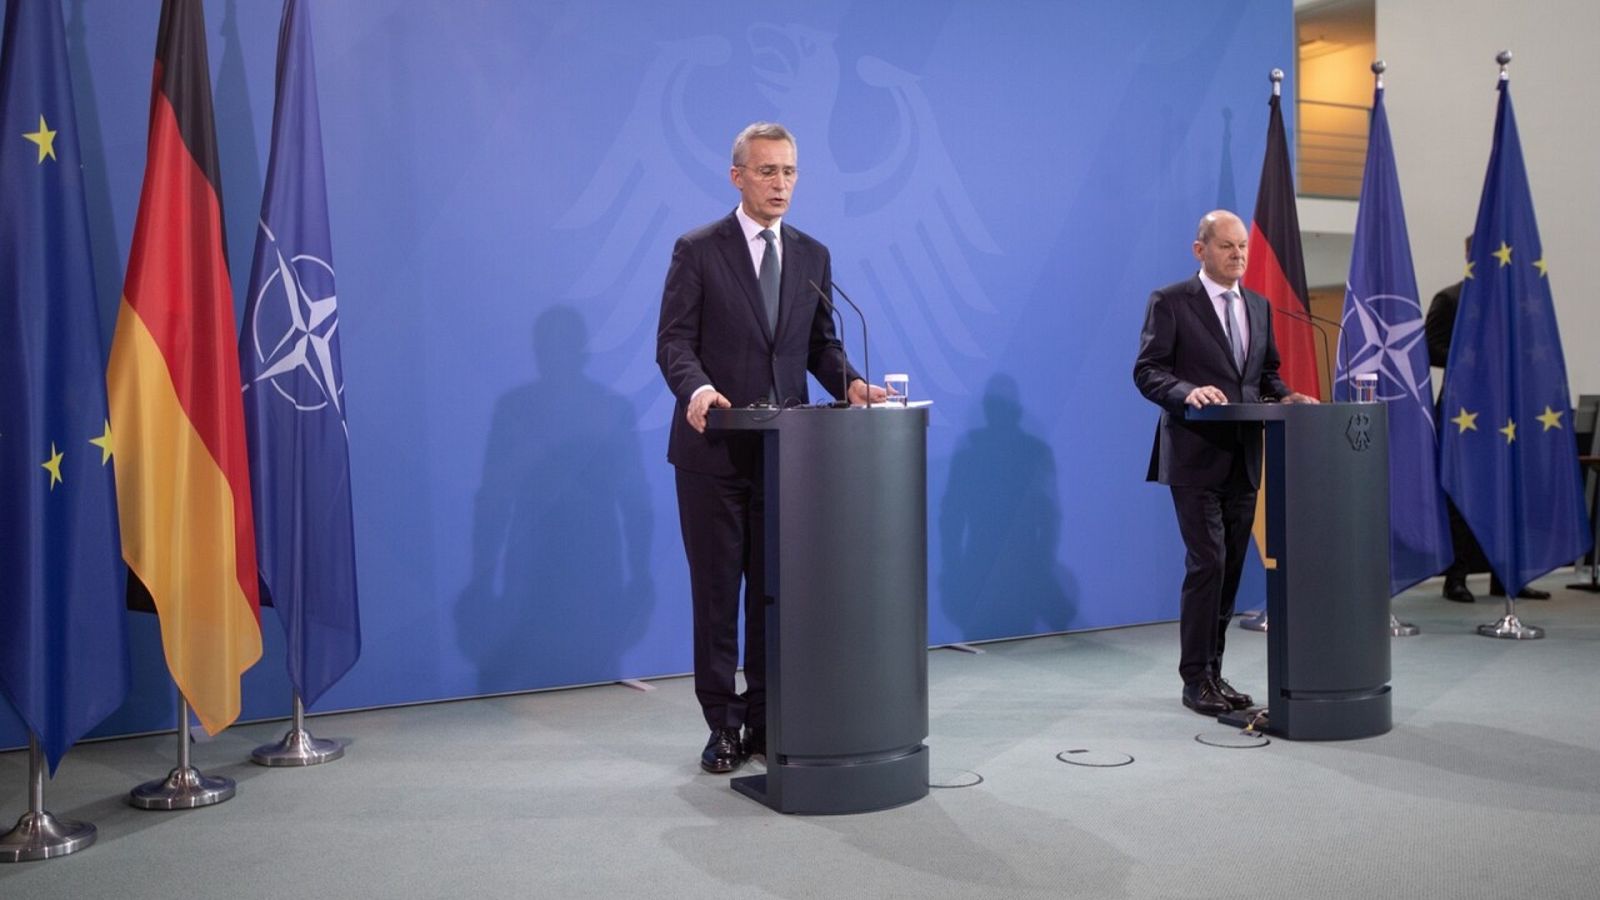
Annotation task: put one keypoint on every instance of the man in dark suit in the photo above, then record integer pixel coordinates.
(1209, 340)
(740, 324)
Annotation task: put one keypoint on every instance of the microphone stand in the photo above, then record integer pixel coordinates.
(866, 350)
(844, 374)
(1317, 322)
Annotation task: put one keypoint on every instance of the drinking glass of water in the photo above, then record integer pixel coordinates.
(1366, 387)
(898, 385)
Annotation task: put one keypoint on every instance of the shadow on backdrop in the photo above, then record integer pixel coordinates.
(561, 527)
(999, 527)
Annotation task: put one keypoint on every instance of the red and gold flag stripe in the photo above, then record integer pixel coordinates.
(183, 477)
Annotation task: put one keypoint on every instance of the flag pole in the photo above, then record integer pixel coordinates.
(1509, 626)
(38, 834)
(1397, 628)
(298, 747)
(185, 787)
(1257, 620)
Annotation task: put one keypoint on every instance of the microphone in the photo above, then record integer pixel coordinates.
(1317, 322)
(844, 376)
(866, 359)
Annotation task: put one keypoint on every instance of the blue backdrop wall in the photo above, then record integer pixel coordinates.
(1002, 184)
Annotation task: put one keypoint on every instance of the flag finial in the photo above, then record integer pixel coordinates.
(1276, 75)
(1504, 59)
(1378, 68)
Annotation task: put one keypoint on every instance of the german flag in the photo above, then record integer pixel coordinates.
(182, 472)
(1276, 268)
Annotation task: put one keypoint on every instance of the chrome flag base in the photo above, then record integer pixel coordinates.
(183, 788)
(1511, 627)
(1256, 621)
(1398, 628)
(298, 748)
(39, 835)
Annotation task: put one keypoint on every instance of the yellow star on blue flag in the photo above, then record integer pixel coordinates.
(1523, 499)
(45, 138)
(61, 570)
(53, 466)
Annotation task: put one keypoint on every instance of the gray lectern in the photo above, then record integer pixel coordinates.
(847, 607)
(1327, 484)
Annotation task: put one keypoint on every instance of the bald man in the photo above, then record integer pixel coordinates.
(1208, 340)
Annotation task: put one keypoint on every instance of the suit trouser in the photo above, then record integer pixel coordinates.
(724, 533)
(1215, 524)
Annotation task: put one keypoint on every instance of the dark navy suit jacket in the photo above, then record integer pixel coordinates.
(1183, 347)
(713, 330)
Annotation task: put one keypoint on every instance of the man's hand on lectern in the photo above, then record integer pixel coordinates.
(1297, 397)
(700, 403)
(1206, 395)
(862, 393)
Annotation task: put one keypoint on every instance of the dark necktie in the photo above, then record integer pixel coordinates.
(1234, 342)
(770, 278)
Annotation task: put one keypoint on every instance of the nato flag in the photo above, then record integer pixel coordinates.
(1383, 335)
(63, 648)
(294, 389)
(1507, 455)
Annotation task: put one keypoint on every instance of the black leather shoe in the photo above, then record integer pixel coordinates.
(721, 755)
(1457, 591)
(755, 741)
(1496, 589)
(1203, 698)
(1235, 699)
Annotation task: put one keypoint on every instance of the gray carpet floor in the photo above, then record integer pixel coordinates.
(1488, 786)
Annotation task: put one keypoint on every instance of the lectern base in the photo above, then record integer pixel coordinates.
(840, 788)
(1329, 716)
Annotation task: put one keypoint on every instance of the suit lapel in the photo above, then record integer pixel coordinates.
(738, 257)
(1256, 309)
(790, 284)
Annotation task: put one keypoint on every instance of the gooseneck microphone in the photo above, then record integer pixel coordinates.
(1317, 322)
(844, 375)
(866, 359)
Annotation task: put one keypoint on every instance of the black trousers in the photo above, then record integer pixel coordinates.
(1215, 525)
(1468, 556)
(724, 534)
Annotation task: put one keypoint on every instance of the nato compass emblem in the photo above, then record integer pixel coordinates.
(1384, 335)
(1359, 432)
(293, 331)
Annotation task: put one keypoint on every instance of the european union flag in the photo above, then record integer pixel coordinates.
(1507, 456)
(1383, 335)
(294, 389)
(63, 647)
